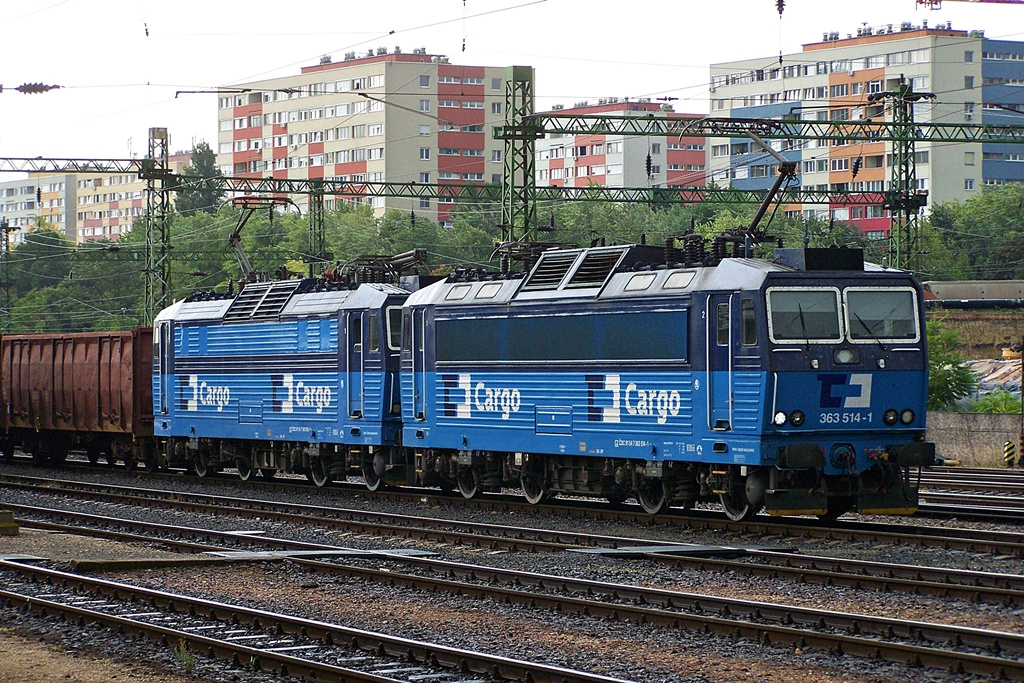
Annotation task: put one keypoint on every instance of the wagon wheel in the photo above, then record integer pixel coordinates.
(534, 488)
(373, 471)
(319, 472)
(469, 482)
(93, 453)
(111, 458)
(267, 472)
(737, 507)
(6, 451)
(653, 495)
(244, 468)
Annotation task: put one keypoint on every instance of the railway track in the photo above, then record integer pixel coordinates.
(914, 642)
(260, 639)
(975, 586)
(535, 540)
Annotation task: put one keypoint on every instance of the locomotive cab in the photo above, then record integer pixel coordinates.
(848, 363)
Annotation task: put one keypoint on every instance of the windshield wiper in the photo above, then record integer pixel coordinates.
(803, 326)
(868, 330)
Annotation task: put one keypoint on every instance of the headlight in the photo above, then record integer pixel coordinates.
(846, 356)
(907, 416)
(890, 416)
(780, 418)
(796, 418)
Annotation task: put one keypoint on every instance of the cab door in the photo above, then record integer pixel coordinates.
(719, 317)
(354, 367)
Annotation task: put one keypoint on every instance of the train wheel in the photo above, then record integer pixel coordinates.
(737, 507)
(200, 466)
(653, 495)
(319, 472)
(373, 471)
(534, 488)
(267, 472)
(111, 458)
(245, 469)
(93, 454)
(469, 482)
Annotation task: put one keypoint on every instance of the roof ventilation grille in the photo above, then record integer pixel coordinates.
(595, 269)
(550, 270)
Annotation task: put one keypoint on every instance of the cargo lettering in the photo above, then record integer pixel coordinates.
(650, 401)
(299, 394)
(204, 394)
(636, 401)
(461, 396)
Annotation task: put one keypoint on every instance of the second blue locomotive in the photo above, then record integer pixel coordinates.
(796, 385)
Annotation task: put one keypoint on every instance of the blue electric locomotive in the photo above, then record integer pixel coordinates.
(796, 385)
(289, 375)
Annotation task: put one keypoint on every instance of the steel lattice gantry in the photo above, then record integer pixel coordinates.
(903, 199)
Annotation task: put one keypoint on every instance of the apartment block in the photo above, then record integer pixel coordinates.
(973, 79)
(620, 160)
(380, 117)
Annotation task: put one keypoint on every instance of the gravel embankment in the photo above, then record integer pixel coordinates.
(629, 651)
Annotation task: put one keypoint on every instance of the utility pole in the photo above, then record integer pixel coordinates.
(905, 201)
(519, 179)
(156, 170)
(5, 273)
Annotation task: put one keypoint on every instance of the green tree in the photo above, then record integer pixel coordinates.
(205, 194)
(948, 378)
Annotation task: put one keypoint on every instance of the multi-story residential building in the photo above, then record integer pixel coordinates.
(24, 201)
(84, 206)
(974, 80)
(383, 117)
(620, 160)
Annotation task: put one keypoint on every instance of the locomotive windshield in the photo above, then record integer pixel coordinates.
(877, 314)
(802, 315)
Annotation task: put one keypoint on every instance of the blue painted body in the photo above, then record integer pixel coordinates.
(310, 377)
(712, 404)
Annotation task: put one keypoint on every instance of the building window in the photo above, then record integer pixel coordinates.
(969, 56)
(968, 158)
(424, 202)
(424, 153)
(495, 107)
(424, 81)
(424, 105)
(424, 129)
(496, 155)
(424, 177)
(375, 129)
(968, 82)
(495, 84)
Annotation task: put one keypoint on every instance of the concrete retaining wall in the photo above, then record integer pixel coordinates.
(973, 438)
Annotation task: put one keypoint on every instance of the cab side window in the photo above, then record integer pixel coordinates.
(748, 323)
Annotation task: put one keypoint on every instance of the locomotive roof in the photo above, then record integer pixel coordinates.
(607, 273)
(268, 301)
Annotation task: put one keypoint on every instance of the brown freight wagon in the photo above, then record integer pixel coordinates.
(88, 390)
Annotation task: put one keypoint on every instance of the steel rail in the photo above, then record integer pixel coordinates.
(971, 540)
(764, 622)
(462, 664)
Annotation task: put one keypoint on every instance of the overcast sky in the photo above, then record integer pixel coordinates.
(117, 81)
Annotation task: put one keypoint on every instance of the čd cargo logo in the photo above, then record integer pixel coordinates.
(845, 391)
(483, 398)
(636, 400)
(289, 394)
(194, 393)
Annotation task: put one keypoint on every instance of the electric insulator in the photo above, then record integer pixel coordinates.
(781, 4)
(649, 165)
(32, 88)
